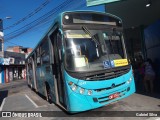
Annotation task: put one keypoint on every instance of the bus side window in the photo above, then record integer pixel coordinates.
(38, 58)
(59, 45)
(38, 61)
(45, 52)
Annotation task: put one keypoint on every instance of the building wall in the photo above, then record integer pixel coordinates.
(12, 62)
(12, 67)
(152, 40)
(16, 49)
(19, 49)
(1, 45)
(19, 58)
(2, 80)
(14, 72)
(134, 13)
(29, 50)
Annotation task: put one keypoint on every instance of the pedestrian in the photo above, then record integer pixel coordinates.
(149, 76)
(141, 70)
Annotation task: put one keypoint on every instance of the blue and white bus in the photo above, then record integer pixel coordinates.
(81, 62)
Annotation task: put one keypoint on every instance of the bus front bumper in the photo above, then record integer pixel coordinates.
(80, 103)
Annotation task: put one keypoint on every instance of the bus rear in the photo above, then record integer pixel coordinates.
(96, 69)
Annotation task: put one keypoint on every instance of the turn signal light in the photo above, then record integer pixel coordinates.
(70, 83)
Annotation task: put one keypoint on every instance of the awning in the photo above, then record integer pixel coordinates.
(98, 2)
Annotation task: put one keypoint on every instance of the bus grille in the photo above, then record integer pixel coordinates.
(102, 89)
(108, 75)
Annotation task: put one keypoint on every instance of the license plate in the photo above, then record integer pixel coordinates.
(114, 96)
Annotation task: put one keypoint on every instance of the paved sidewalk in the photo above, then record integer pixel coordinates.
(12, 83)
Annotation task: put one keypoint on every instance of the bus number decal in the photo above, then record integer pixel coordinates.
(82, 83)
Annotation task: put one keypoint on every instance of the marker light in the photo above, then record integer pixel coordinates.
(81, 91)
(89, 92)
(129, 81)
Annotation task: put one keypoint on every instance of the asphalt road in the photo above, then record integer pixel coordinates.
(16, 96)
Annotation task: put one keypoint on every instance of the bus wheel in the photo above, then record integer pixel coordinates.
(48, 97)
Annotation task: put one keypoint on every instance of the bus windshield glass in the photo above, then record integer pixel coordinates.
(88, 51)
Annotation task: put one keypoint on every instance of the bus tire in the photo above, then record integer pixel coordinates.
(48, 92)
(28, 85)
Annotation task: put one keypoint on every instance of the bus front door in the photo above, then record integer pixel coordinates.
(56, 38)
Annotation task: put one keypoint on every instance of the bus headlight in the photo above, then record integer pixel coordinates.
(89, 92)
(129, 81)
(81, 91)
(74, 87)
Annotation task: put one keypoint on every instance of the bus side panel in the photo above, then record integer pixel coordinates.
(44, 74)
(40, 76)
(34, 76)
(49, 78)
(27, 75)
(31, 78)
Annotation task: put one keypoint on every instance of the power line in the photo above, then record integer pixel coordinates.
(41, 20)
(13, 43)
(29, 15)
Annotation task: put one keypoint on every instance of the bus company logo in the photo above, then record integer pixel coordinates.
(6, 114)
(113, 85)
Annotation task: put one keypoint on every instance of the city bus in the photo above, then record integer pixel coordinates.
(81, 62)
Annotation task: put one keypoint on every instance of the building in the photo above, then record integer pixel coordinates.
(141, 24)
(19, 49)
(13, 63)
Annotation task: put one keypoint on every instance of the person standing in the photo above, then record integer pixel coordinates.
(149, 76)
(141, 70)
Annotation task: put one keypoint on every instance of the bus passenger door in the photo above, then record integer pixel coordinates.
(56, 67)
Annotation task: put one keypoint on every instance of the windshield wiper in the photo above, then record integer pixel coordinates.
(86, 30)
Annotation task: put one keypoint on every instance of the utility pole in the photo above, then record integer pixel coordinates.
(1, 39)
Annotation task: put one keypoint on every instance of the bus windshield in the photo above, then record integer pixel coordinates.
(88, 52)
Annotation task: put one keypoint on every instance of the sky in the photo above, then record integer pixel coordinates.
(30, 19)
